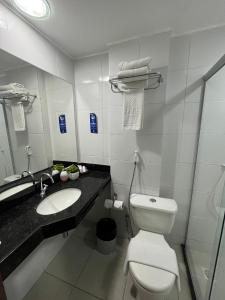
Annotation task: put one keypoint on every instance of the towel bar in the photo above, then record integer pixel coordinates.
(153, 81)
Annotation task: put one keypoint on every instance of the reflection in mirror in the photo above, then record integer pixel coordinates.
(36, 119)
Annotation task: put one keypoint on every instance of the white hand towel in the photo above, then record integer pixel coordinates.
(133, 105)
(153, 255)
(134, 64)
(18, 116)
(134, 72)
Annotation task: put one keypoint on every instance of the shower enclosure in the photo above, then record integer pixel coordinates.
(205, 244)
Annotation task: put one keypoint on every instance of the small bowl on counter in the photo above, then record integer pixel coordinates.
(74, 176)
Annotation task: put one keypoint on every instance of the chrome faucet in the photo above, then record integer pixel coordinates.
(28, 174)
(45, 186)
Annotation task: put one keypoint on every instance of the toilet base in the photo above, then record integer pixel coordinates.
(133, 291)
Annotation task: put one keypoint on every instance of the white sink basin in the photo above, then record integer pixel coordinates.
(58, 201)
(15, 190)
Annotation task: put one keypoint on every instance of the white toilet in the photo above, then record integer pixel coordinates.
(155, 217)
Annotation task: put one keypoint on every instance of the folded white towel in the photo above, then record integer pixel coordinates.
(13, 94)
(133, 105)
(133, 72)
(134, 64)
(154, 255)
(11, 86)
(18, 116)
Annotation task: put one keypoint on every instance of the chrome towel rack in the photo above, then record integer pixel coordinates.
(153, 81)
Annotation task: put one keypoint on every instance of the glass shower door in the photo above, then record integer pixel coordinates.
(207, 215)
(217, 291)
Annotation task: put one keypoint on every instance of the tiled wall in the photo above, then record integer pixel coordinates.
(191, 56)
(59, 97)
(167, 144)
(112, 145)
(91, 80)
(147, 141)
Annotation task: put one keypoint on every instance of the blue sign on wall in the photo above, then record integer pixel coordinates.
(62, 123)
(93, 123)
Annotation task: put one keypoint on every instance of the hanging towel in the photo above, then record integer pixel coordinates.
(134, 72)
(18, 116)
(133, 105)
(153, 255)
(134, 64)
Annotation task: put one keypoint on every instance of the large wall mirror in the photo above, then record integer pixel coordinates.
(37, 119)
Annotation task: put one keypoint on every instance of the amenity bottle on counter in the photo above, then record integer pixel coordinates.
(64, 176)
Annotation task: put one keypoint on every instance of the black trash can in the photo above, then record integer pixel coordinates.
(106, 232)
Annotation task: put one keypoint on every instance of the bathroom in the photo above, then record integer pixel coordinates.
(69, 127)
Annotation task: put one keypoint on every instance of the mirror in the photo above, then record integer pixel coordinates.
(37, 119)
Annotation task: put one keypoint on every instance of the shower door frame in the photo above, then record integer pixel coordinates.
(214, 69)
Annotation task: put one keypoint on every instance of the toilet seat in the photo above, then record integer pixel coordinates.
(154, 280)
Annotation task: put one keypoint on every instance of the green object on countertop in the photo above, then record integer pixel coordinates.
(72, 169)
(58, 167)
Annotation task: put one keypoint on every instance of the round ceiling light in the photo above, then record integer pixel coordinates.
(38, 9)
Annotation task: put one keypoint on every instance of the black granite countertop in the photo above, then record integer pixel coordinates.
(22, 229)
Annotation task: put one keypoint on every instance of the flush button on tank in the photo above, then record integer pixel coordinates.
(153, 200)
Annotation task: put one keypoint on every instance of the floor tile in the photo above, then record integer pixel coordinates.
(80, 295)
(49, 288)
(103, 275)
(70, 261)
(86, 230)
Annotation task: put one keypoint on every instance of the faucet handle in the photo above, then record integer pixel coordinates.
(45, 187)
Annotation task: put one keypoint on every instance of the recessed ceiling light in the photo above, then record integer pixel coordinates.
(38, 9)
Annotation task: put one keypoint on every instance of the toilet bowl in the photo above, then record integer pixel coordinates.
(154, 216)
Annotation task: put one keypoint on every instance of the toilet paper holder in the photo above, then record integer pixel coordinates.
(114, 204)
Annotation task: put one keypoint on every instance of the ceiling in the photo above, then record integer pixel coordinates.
(83, 27)
(10, 62)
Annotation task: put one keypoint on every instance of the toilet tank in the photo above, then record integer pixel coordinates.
(154, 214)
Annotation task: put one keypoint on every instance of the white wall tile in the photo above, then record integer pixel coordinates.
(207, 47)
(176, 86)
(147, 179)
(150, 148)
(206, 177)
(191, 117)
(177, 234)
(195, 84)
(215, 90)
(122, 146)
(184, 176)
(201, 204)
(88, 96)
(179, 52)
(121, 171)
(153, 119)
(88, 70)
(157, 47)
(173, 117)
(188, 148)
(34, 122)
(115, 120)
(211, 148)
(213, 117)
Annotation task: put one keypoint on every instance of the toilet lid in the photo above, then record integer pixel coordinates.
(152, 279)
